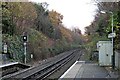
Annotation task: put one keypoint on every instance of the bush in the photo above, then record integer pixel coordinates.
(15, 46)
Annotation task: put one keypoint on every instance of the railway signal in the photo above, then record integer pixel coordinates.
(24, 38)
(25, 46)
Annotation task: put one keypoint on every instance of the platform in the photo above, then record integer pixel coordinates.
(82, 70)
(13, 63)
(12, 67)
(8, 64)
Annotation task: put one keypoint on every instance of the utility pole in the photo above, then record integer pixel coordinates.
(113, 57)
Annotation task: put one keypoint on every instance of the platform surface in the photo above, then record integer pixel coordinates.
(86, 70)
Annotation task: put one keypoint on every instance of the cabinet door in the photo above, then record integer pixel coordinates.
(102, 54)
(108, 53)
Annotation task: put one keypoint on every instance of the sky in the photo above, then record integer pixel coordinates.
(77, 13)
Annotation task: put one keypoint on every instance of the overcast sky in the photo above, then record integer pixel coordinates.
(77, 13)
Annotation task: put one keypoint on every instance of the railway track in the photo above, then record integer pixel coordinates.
(41, 72)
(57, 74)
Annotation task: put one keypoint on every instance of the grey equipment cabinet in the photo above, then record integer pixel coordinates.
(105, 53)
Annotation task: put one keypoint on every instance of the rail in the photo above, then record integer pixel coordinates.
(39, 73)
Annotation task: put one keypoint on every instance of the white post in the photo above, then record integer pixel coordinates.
(25, 51)
(112, 27)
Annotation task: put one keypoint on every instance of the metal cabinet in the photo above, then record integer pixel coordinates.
(105, 53)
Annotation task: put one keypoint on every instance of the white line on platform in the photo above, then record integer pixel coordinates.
(82, 61)
(67, 71)
(4, 65)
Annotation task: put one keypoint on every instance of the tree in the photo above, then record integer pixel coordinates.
(8, 26)
(20, 14)
(55, 17)
(42, 21)
(101, 26)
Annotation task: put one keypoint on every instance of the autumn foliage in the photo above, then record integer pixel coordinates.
(47, 36)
